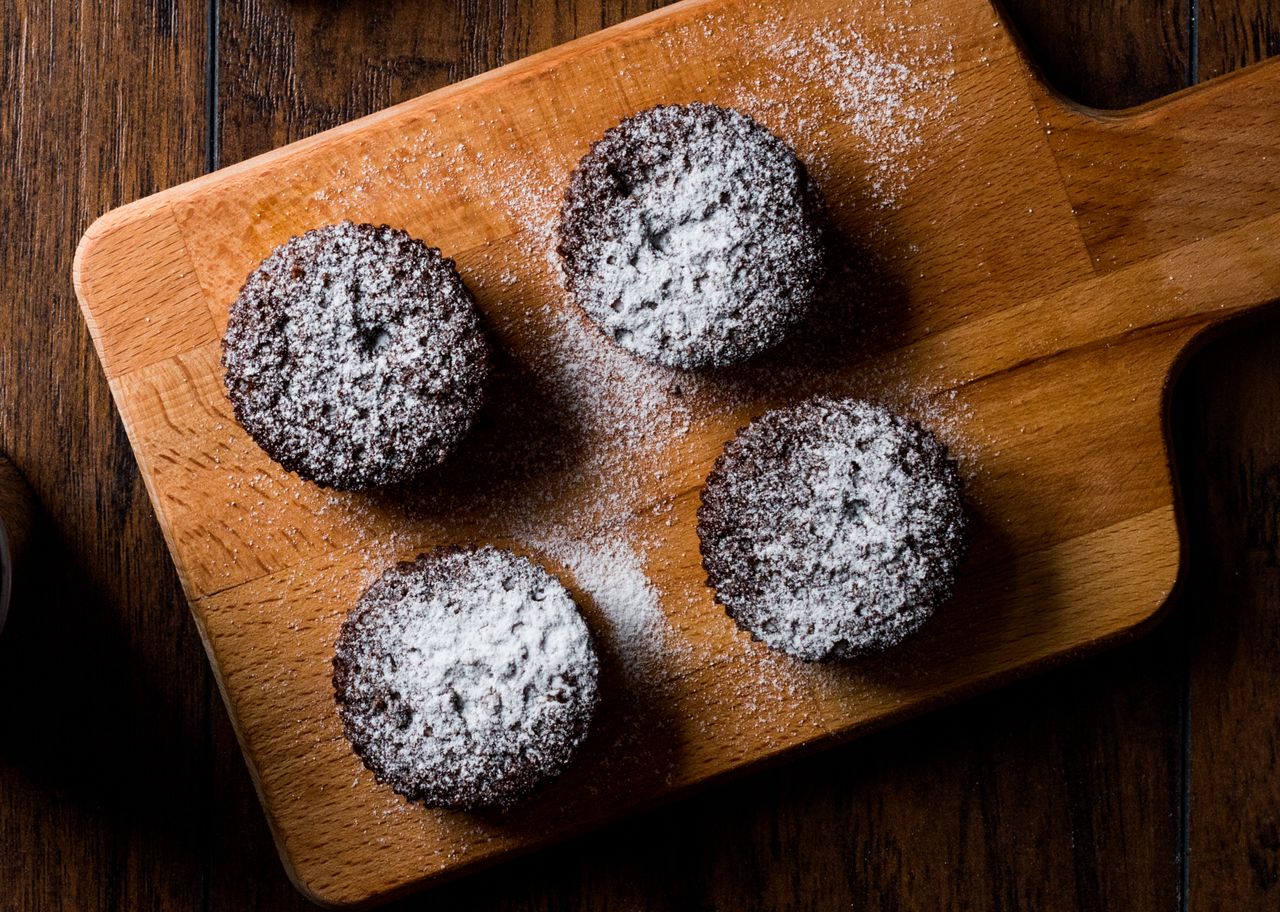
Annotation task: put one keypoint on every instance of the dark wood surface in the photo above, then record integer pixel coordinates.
(1146, 778)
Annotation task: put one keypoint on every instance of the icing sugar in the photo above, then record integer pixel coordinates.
(832, 528)
(466, 677)
(354, 356)
(689, 236)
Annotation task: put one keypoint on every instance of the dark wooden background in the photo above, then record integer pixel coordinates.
(1146, 778)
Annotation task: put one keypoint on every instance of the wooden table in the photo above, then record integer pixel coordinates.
(1143, 779)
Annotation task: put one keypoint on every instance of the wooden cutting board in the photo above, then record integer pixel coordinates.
(1022, 274)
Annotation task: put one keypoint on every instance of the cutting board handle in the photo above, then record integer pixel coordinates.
(1147, 180)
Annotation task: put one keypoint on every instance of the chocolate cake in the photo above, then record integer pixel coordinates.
(465, 678)
(832, 528)
(690, 235)
(354, 356)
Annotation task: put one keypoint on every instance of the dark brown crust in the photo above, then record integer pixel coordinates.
(602, 182)
(431, 300)
(771, 436)
(499, 788)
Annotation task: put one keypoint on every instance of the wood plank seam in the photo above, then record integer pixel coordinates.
(266, 630)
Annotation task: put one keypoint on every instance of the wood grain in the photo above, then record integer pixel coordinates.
(1108, 54)
(104, 706)
(1099, 742)
(277, 62)
(1044, 582)
(1122, 173)
(1234, 34)
(1226, 420)
(1234, 589)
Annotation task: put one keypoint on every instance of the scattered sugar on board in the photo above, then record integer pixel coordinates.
(884, 96)
(888, 99)
(625, 406)
(951, 419)
(830, 78)
(610, 571)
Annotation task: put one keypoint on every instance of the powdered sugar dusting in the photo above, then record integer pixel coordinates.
(624, 408)
(354, 356)
(884, 97)
(830, 81)
(817, 87)
(832, 528)
(466, 678)
(610, 571)
(690, 236)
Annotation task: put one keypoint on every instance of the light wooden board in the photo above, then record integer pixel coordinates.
(1036, 271)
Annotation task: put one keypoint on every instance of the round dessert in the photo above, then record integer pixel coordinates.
(354, 356)
(690, 235)
(465, 678)
(832, 528)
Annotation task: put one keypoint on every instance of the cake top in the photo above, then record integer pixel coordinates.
(689, 235)
(466, 677)
(354, 355)
(832, 528)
